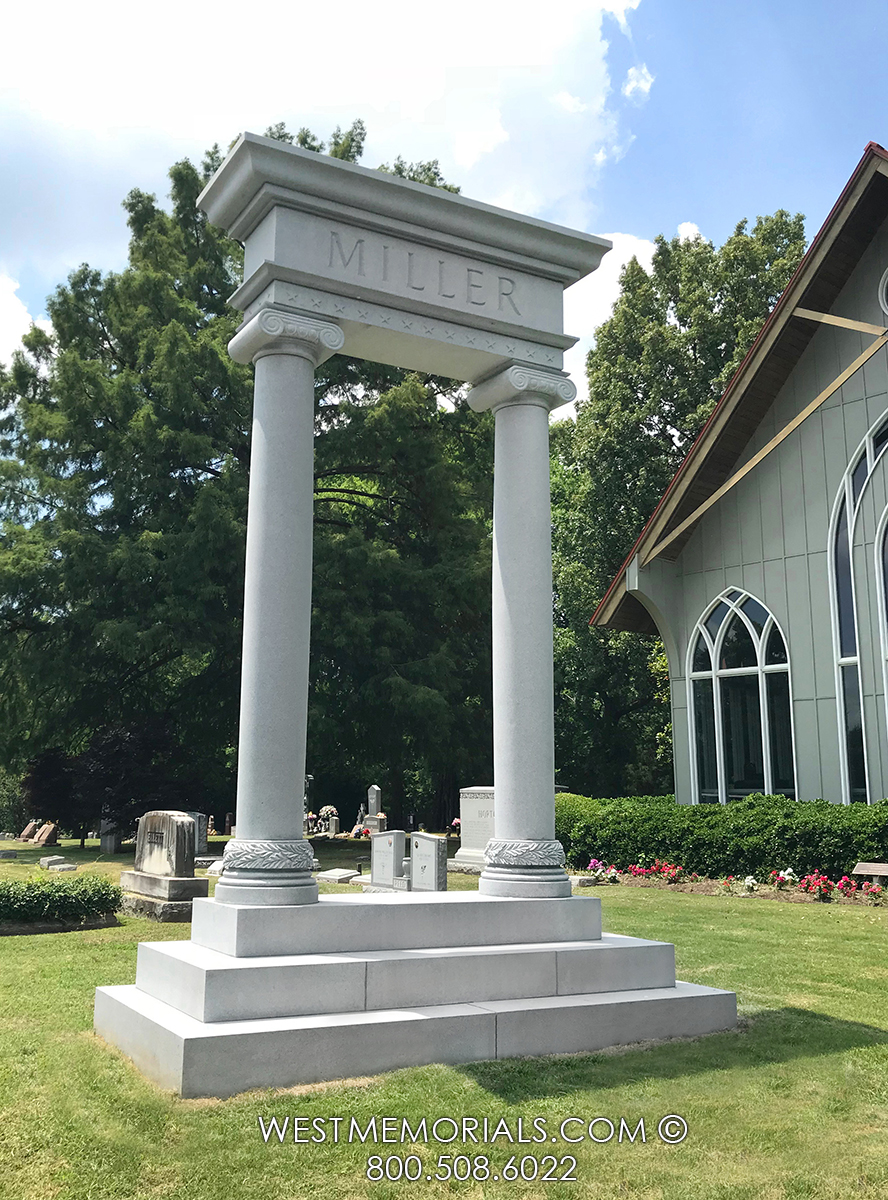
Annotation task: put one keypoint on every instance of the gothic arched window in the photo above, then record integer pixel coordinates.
(851, 742)
(741, 713)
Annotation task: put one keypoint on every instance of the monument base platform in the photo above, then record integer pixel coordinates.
(356, 985)
(158, 910)
(164, 887)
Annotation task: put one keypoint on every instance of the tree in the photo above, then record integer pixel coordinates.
(658, 367)
(124, 457)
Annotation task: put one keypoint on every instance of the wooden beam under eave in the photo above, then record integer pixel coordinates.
(842, 322)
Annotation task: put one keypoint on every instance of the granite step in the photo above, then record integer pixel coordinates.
(223, 1058)
(406, 921)
(210, 986)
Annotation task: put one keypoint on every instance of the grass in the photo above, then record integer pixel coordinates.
(790, 1106)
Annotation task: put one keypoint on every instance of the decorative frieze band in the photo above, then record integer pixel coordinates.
(272, 331)
(534, 853)
(267, 856)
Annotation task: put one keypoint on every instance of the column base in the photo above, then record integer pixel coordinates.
(528, 882)
(235, 891)
(267, 873)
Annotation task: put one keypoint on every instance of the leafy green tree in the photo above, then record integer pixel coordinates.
(659, 365)
(124, 458)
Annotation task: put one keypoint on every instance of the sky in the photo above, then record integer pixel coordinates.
(623, 118)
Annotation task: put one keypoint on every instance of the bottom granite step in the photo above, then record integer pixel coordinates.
(226, 1057)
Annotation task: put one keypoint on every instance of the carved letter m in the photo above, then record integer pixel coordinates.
(336, 243)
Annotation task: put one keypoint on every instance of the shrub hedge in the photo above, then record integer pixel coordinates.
(571, 809)
(83, 898)
(746, 837)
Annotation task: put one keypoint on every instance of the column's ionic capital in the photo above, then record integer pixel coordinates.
(523, 385)
(273, 331)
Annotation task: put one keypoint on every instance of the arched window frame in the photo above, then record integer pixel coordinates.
(879, 550)
(733, 598)
(868, 452)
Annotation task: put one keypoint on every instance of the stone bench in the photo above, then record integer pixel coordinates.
(878, 871)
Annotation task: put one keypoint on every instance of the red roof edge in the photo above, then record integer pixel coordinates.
(872, 150)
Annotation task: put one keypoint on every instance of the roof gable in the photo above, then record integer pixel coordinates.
(820, 277)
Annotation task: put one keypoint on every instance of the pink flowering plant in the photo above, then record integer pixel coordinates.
(602, 872)
(817, 885)
(783, 879)
(847, 886)
(872, 892)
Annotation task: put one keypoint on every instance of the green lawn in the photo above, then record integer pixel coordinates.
(792, 1105)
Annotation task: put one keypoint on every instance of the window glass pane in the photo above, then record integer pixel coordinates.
(704, 724)
(854, 734)
(742, 732)
(737, 649)
(776, 652)
(702, 661)
(858, 479)
(733, 595)
(757, 615)
(880, 440)
(715, 618)
(844, 596)
(782, 774)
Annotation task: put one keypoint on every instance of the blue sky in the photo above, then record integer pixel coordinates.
(626, 118)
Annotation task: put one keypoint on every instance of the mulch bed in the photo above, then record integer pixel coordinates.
(711, 887)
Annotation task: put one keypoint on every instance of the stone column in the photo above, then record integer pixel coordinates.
(523, 858)
(270, 862)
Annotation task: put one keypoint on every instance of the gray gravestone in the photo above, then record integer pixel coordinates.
(51, 860)
(110, 838)
(475, 826)
(165, 844)
(201, 822)
(163, 882)
(428, 862)
(373, 821)
(387, 860)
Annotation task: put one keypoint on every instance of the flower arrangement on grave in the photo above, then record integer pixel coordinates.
(601, 873)
(455, 825)
(328, 811)
(365, 833)
(817, 885)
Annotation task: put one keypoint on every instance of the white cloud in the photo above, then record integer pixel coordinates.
(15, 320)
(590, 302)
(687, 231)
(569, 103)
(638, 83)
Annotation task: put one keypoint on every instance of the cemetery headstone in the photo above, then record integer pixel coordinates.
(475, 828)
(428, 862)
(387, 860)
(8, 853)
(51, 860)
(201, 824)
(229, 821)
(47, 835)
(110, 837)
(338, 875)
(211, 828)
(63, 866)
(375, 820)
(162, 883)
(334, 826)
(28, 832)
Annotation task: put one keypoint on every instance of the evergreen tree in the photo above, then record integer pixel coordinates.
(124, 457)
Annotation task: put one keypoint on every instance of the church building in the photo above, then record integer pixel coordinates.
(764, 568)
